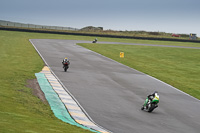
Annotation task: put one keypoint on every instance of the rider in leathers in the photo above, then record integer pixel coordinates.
(150, 97)
(65, 60)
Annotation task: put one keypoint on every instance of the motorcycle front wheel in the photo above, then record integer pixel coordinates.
(65, 69)
(151, 108)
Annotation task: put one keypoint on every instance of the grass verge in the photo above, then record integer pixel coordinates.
(20, 110)
(178, 67)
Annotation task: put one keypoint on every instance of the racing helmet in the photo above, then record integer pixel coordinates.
(155, 92)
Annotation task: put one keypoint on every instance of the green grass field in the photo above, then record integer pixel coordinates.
(21, 111)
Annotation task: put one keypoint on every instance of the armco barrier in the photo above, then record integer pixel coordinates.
(96, 35)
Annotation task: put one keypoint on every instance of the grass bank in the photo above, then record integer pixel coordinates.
(20, 110)
(178, 67)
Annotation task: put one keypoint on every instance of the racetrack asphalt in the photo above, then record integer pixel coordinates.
(112, 93)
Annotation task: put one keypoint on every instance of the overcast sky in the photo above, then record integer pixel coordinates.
(174, 16)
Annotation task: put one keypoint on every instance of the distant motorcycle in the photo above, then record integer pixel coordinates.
(65, 64)
(150, 105)
(94, 41)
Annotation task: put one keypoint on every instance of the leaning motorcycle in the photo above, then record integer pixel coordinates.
(94, 41)
(150, 105)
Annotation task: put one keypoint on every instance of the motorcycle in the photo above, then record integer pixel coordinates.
(95, 40)
(66, 65)
(150, 105)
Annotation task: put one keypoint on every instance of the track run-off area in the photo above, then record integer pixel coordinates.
(111, 94)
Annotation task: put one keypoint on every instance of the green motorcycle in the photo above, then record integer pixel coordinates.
(151, 103)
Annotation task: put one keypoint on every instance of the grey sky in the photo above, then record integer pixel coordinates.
(174, 16)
